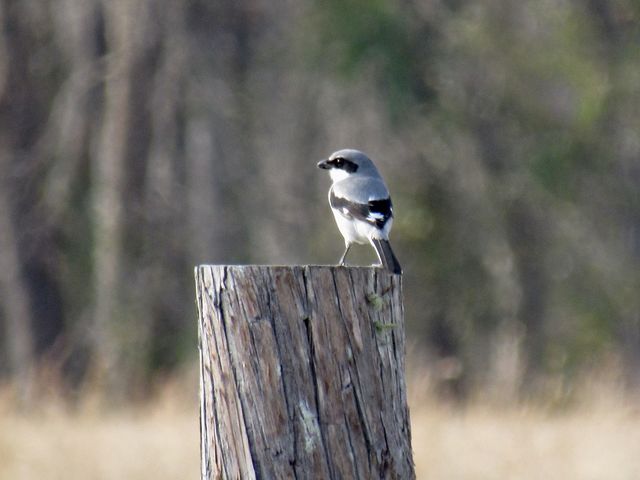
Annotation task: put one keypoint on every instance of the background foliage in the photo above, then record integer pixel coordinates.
(140, 138)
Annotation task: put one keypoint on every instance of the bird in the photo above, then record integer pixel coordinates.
(361, 204)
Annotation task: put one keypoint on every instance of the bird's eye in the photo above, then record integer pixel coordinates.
(339, 161)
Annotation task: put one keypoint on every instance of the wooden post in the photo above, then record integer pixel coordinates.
(302, 373)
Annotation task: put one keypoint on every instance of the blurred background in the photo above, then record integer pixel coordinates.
(141, 138)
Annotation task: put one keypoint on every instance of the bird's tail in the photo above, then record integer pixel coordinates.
(386, 255)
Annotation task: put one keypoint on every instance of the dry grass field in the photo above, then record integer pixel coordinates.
(526, 444)
(599, 439)
(90, 441)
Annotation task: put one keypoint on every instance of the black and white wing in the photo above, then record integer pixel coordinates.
(375, 212)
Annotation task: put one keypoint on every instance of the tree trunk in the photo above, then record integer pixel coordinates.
(14, 296)
(302, 373)
(108, 172)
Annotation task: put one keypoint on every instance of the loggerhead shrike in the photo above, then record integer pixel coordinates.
(361, 204)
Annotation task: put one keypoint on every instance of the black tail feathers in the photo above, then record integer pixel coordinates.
(386, 255)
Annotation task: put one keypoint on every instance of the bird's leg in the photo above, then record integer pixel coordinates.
(344, 255)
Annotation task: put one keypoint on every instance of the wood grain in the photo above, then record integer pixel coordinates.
(302, 373)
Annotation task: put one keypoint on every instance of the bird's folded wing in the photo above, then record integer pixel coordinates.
(375, 212)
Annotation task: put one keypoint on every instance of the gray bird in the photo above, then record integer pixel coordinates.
(361, 204)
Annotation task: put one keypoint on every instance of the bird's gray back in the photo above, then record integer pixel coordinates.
(361, 189)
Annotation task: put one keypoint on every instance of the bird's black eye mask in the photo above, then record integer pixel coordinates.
(343, 164)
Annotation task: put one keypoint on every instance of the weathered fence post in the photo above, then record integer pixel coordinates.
(302, 373)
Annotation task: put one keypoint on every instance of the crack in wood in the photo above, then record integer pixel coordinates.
(316, 391)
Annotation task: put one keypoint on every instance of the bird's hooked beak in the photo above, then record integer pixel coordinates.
(324, 164)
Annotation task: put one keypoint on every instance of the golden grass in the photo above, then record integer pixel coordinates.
(159, 440)
(525, 444)
(102, 447)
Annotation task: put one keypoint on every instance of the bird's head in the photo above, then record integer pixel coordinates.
(347, 162)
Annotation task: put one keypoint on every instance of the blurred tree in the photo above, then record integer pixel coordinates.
(511, 148)
(507, 130)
